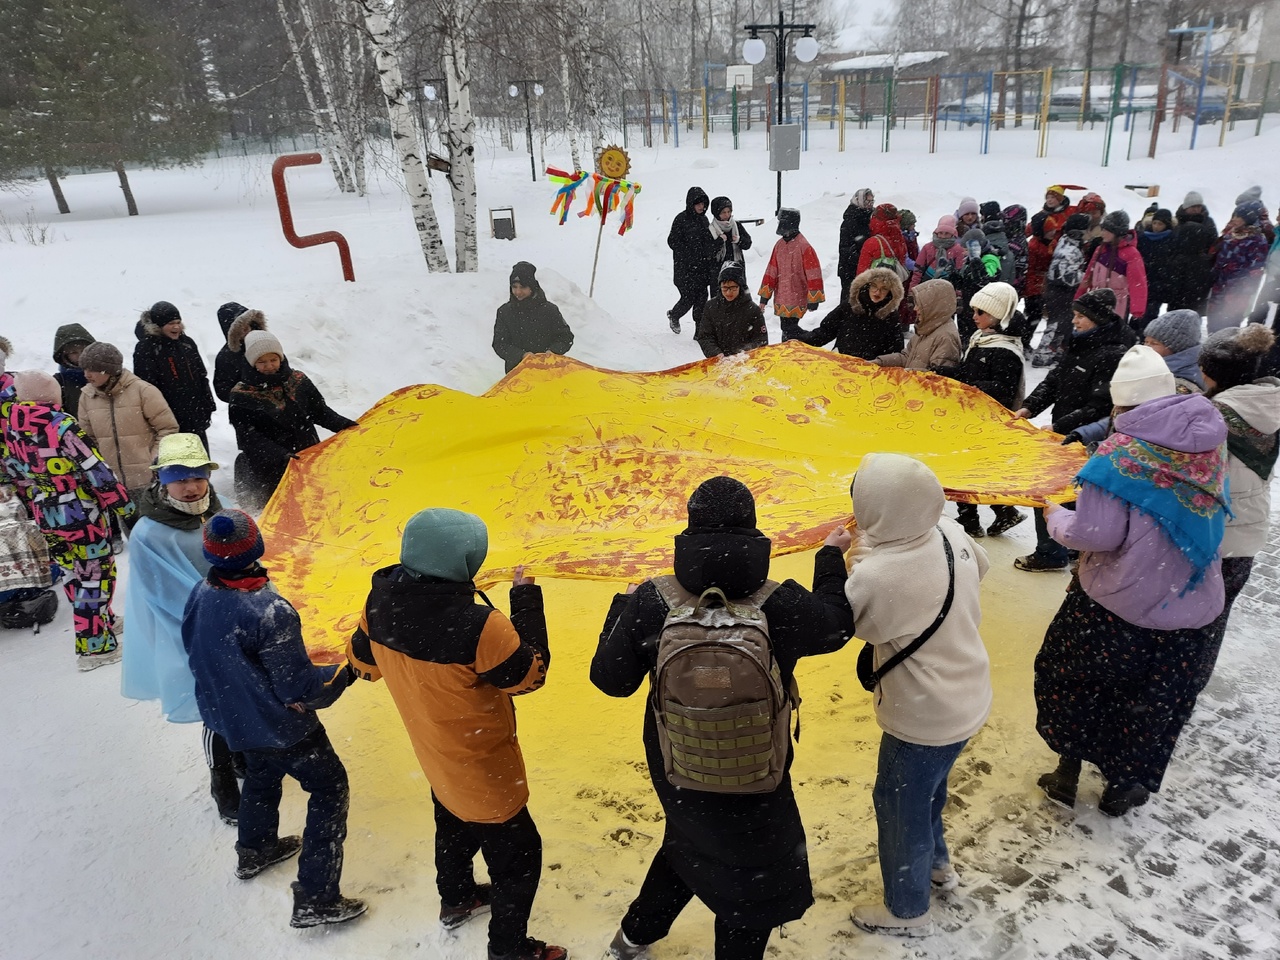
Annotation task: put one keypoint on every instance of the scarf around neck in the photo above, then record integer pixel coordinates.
(1256, 450)
(1185, 493)
(993, 339)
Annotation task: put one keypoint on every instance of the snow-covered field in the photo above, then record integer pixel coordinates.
(110, 846)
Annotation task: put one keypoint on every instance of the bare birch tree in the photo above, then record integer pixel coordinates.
(461, 132)
(324, 120)
(404, 135)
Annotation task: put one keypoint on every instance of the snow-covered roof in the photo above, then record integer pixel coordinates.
(884, 61)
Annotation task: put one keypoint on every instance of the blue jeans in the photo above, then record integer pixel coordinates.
(312, 762)
(910, 792)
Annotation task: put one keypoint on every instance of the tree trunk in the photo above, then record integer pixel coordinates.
(404, 136)
(323, 122)
(566, 85)
(462, 140)
(129, 202)
(52, 177)
(338, 119)
(1088, 52)
(591, 77)
(1126, 25)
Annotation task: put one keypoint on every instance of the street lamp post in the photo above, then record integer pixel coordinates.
(753, 51)
(514, 90)
(428, 89)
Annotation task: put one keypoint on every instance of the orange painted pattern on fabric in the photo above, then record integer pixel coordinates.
(584, 473)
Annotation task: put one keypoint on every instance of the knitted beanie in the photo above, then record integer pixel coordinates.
(36, 386)
(257, 343)
(1098, 305)
(906, 219)
(1178, 330)
(998, 299)
(1140, 376)
(946, 226)
(967, 205)
(1117, 222)
(1253, 193)
(1077, 221)
(722, 502)
(102, 357)
(525, 273)
(444, 543)
(163, 312)
(1233, 356)
(1092, 203)
(1164, 216)
(989, 211)
(718, 204)
(1193, 199)
(1250, 211)
(232, 540)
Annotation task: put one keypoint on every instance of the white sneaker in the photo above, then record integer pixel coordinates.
(876, 918)
(92, 661)
(944, 878)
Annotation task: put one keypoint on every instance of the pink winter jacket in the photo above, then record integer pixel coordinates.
(1120, 268)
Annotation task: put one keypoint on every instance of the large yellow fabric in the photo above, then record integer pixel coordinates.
(585, 473)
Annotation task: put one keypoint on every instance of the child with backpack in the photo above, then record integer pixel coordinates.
(736, 843)
(915, 576)
(1066, 270)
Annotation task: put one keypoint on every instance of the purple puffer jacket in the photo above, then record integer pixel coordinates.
(1127, 563)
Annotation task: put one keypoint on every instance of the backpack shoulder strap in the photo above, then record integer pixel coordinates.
(672, 593)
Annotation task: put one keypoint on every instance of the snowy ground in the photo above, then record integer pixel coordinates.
(111, 847)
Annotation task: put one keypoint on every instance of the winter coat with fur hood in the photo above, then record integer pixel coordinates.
(859, 327)
(176, 368)
(941, 694)
(231, 367)
(126, 419)
(937, 340)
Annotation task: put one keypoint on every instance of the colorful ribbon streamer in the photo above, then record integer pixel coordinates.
(607, 195)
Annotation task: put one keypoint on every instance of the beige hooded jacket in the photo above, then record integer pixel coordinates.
(126, 420)
(941, 694)
(937, 340)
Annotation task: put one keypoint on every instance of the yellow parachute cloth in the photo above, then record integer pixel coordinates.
(585, 473)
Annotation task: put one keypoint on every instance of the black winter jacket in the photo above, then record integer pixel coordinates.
(177, 370)
(743, 855)
(857, 330)
(1195, 241)
(1079, 386)
(230, 366)
(995, 371)
(693, 249)
(532, 325)
(275, 416)
(731, 326)
(1159, 256)
(854, 230)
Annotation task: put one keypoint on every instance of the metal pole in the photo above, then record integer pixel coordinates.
(780, 63)
(1162, 100)
(735, 116)
(528, 132)
(1204, 76)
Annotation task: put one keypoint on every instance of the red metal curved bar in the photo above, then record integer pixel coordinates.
(286, 215)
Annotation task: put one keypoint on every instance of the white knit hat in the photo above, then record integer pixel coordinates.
(1141, 376)
(998, 299)
(259, 342)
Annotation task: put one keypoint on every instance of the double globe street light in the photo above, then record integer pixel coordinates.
(514, 91)
(753, 51)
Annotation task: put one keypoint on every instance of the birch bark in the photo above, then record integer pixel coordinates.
(404, 136)
(461, 134)
(324, 123)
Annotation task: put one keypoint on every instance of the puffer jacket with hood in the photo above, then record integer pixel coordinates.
(693, 249)
(891, 243)
(1079, 385)
(452, 664)
(531, 325)
(936, 341)
(175, 366)
(941, 694)
(230, 366)
(69, 376)
(1258, 405)
(1195, 241)
(126, 419)
(743, 855)
(1118, 267)
(855, 227)
(1128, 564)
(860, 327)
(732, 326)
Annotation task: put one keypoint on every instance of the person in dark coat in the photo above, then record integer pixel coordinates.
(528, 322)
(275, 413)
(693, 257)
(732, 323)
(68, 341)
(1195, 243)
(1158, 249)
(166, 357)
(1079, 390)
(865, 325)
(258, 689)
(731, 240)
(229, 367)
(854, 230)
(743, 855)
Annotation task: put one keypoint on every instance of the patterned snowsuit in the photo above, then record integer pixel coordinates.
(69, 490)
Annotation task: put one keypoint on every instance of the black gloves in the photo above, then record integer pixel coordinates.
(1072, 437)
(811, 307)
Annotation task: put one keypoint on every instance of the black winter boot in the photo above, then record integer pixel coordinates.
(226, 793)
(1060, 785)
(310, 912)
(1118, 798)
(1006, 519)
